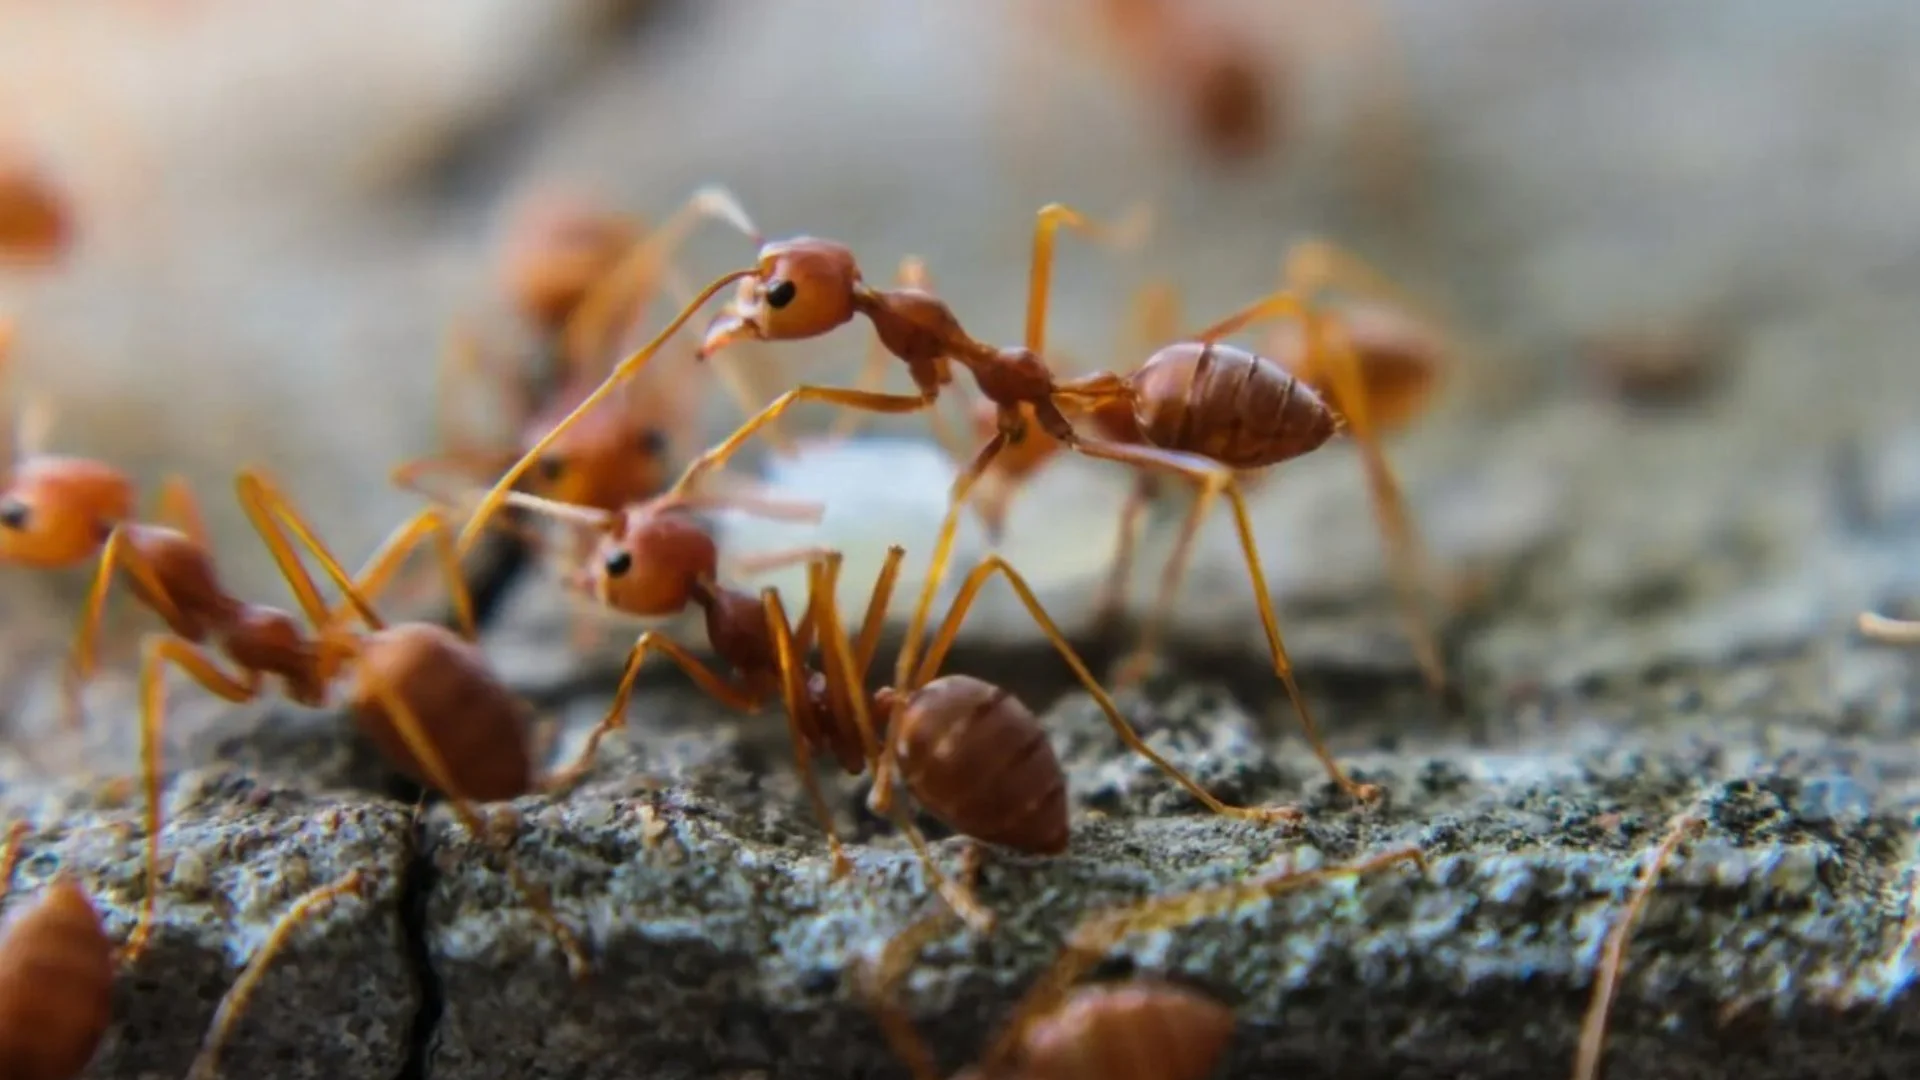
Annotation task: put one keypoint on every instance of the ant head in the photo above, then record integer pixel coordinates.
(555, 251)
(653, 561)
(36, 226)
(800, 288)
(56, 512)
(611, 458)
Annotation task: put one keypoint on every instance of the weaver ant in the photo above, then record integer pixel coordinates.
(1139, 1029)
(654, 560)
(1196, 408)
(57, 969)
(422, 694)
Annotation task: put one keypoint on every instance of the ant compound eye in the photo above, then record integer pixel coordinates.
(653, 442)
(781, 294)
(14, 514)
(551, 468)
(619, 563)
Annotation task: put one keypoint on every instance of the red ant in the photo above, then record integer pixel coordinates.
(1196, 408)
(1139, 1029)
(57, 969)
(422, 694)
(955, 741)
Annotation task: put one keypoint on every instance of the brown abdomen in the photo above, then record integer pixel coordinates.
(475, 722)
(974, 756)
(1236, 407)
(1138, 1030)
(56, 986)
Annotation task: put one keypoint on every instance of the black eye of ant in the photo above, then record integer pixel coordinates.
(653, 442)
(551, 468)
(619, 563)
(14, 514)
(781, 294)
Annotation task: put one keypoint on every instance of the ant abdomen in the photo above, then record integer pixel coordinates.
(1236, 407)
(1132, 1031)
(478, 726)
(976, 758)
(56, 985)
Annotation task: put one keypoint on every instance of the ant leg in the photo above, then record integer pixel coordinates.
(950, 628)
(1890, 631)
(942, 554)
(1111, 602)
(267, 509)
(875, 621)
(227, 1015)
(1098, 933)
(840, 669)
(791, 692)
(1130, 231)
(1216, 479)
(624, 370)
(1407, 556)
(625, 288)
(1593, 1029)
(429, 524)
(180, 509)
(408, 726)
(1313, 266)
(911, 275)
(717, 456)
(115, 553)
(162, 650)
(879, 980)
(703, 677)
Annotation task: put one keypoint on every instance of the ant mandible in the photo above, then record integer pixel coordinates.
(1139, 1029)
(424, 695)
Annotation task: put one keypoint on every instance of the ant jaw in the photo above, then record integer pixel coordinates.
(725, 329)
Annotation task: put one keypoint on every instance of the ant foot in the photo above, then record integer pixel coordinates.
(841, 867)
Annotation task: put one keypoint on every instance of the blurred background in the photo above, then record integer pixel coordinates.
(284, 208)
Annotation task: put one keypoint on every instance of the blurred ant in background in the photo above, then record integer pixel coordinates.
(578, 277)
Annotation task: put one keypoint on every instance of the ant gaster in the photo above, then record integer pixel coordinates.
(424, 695)
(1137, 1029)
